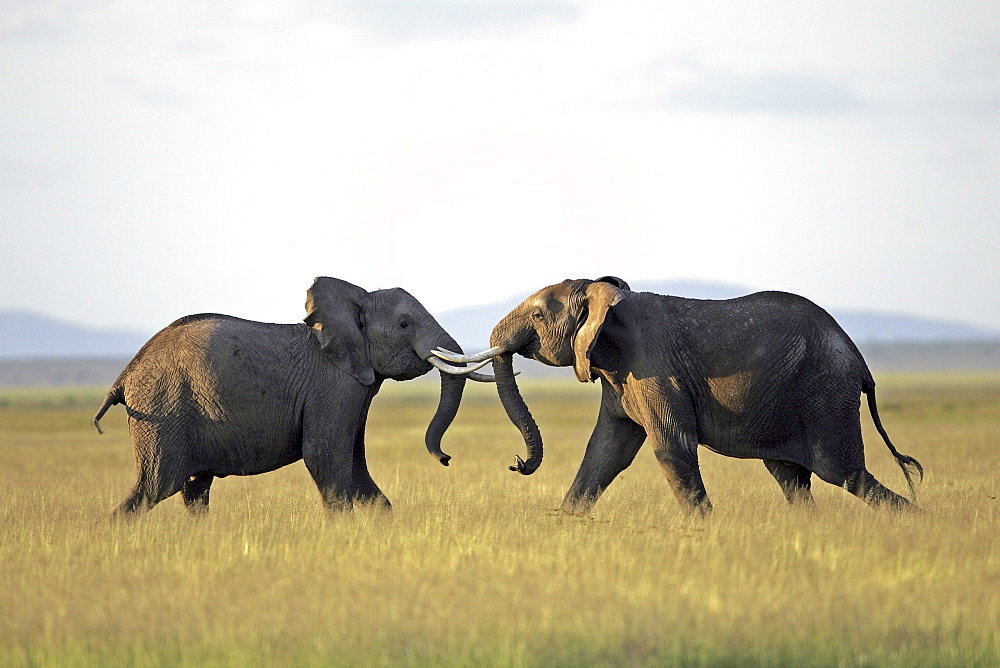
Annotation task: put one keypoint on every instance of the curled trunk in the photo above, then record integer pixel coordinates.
(518, 413)
(451, 396)
(452, 388)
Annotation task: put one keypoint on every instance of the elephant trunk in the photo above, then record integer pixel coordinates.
(451, 396)
(452, 387)
(517, 411)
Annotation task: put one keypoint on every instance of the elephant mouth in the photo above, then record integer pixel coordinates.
(531, 350)
(409, 375)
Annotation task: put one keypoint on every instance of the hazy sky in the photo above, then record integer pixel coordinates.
(160, 158)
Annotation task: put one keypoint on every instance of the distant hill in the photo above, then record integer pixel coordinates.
(471, 326)
(27, 335)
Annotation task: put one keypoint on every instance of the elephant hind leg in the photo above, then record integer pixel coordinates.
(195, 492)
(863, 485)
(794, 480)
(135, 502)
(143, 498)
(150, 488)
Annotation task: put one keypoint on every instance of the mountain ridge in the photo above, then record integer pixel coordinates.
(27, 335)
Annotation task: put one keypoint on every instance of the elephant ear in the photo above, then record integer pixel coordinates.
(599, 297)
(333, 311)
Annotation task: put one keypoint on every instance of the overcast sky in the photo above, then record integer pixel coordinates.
(161, 158)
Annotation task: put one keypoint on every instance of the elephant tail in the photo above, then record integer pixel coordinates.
(116, 395)
(909, 465)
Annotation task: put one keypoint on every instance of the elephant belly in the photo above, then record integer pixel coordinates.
(773, 436)
(246, 451)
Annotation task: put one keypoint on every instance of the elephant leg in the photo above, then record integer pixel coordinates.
(147, 492)
(134, 502)
(840, 457)
(160, 473)
(675, 444)
(330, 431)
(195, 492)
(612, 447)
(331, 468)
(365, 491)
(863, 485)
(793, 478)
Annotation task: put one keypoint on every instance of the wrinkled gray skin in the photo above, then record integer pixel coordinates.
(213, 395)
(768, 376)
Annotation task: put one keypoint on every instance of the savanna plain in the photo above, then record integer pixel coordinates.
(474, 567)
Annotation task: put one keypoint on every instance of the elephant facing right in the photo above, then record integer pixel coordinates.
(768, 376)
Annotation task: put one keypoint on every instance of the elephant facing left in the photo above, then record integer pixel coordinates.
(213, 395)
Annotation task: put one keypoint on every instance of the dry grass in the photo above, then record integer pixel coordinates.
(472, 567)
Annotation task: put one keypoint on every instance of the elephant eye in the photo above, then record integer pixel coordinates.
(537, 315)
(403, 324)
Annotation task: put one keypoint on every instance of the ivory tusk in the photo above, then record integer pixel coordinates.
(454, 370)
(486, 377)
(477, 357)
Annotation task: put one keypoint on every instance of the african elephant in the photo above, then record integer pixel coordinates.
(767, 376)
(213, 395)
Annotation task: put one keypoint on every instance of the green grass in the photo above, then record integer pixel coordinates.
(473, 566)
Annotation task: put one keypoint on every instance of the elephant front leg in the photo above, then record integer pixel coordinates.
(365, 491)
(611, 449)
(330, 463)
(332, 427)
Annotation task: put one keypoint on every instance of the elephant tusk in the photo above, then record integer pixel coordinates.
(477, 357)
(454, 370)
(485, 377)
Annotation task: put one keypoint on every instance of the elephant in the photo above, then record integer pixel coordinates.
(768, 376)
(212, 395)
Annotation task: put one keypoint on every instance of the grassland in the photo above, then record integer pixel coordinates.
(473, 567)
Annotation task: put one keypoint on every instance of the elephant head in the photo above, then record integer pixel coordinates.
(557, 326)
(386, 334)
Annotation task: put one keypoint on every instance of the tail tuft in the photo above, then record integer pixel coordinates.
(909, 465)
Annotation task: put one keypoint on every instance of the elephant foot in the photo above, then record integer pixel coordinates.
(864, 485)
(577, 506)
(377, 503)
